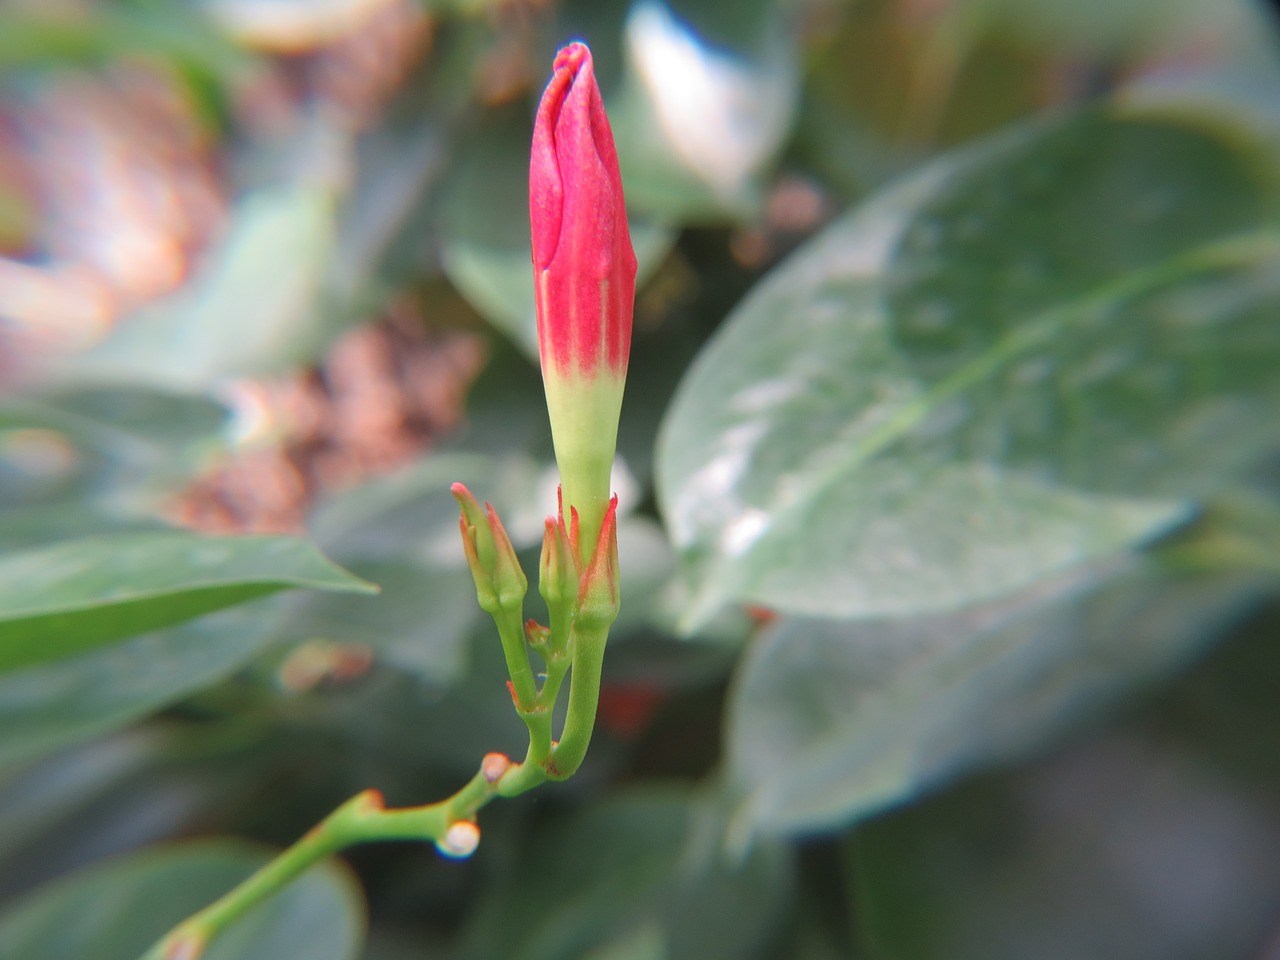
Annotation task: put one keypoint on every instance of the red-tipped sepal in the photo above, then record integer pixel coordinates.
(500, 583)
(598, 590)
(559, 579)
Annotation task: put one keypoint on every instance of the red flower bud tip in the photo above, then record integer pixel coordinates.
(584, 276)
(582, 253)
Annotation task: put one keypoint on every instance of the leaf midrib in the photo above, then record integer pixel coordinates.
(1238, 250)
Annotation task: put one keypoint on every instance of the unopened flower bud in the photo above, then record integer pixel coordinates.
(500, 583)
(559, 574)
(584, 277)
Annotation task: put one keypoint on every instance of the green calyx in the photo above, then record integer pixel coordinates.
(500, 583)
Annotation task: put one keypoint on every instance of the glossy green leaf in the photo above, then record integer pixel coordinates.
(254, 307)
(830, 721)
(1030, 355)
(81, 594)
(51, 705)
(115, 911)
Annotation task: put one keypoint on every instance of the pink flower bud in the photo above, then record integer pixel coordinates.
(584, 275)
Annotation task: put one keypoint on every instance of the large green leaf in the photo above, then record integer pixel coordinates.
(1103, 848)
(830, 721)
(642, 875)
(1032, 354)
(117, 910)
(80, 594)
(51, 705)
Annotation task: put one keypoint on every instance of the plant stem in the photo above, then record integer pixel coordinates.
(584, 696)
(511, 632)
(362, 819)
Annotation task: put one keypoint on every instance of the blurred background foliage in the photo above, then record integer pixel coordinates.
(950, 466)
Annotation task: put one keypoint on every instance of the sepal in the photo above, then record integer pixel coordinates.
(500, 582)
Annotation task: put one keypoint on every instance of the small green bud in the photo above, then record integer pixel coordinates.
(500, 583)
(559, 578)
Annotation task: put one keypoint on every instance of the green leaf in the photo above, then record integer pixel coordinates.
(1030, 355)
(420, 621)
(81, 594)
(115, 911)
(830, 721)
(1101, 849)
(114, 447)
(51, 705)
(705, 104)
(254, 308)
(36, 38)
(629, 876)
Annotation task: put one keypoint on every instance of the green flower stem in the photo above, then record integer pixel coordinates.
(362, 819)
(534, 769)
(511, 632)
(584, 695)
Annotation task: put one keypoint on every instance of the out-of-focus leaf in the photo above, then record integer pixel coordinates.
(1030, 355)
(420, 621)
(290, 26)
(1108, 27)
(412, 513)
(706, 101)
(254, 308)
(383, 231)
(30, 36)
(48, 706)
(642, 872)
(401, 532)
(117, 910)
(37, 526)
(102, 449)
(485, 247)
(1103, 849)
(833, 720)
(35, 798)
(77, 595)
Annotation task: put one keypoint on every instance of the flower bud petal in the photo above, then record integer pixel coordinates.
(584, 276)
